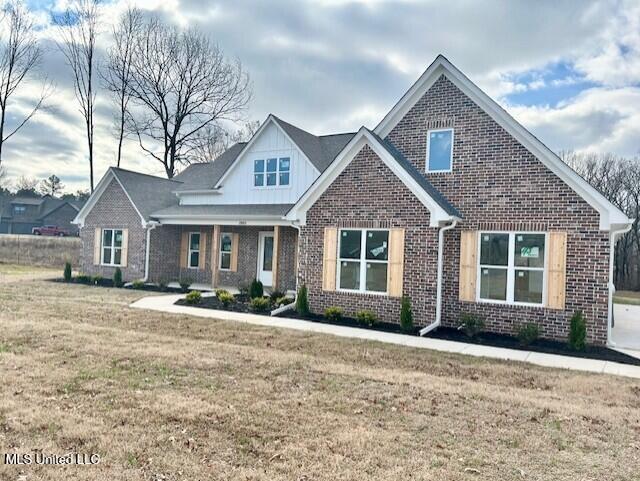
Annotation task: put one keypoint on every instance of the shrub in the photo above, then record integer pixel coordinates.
(185, 284)
(275, 295)
(528, 333)
(162, 285)
(302, 302)
(260, 304)
(256, 289)
(333, 313)
(117, 277)
(67, 271)
(138, 284)
(221, 292)
(471, 324)
(284, 300)
(366, 317)
(225, 297)
(406, 315)
(96, 280)
(82, 279)
(578, 332)
(243, 290)
(194, 297)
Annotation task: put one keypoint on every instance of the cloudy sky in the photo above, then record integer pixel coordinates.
(569, 70)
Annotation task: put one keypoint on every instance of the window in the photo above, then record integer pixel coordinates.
(19, 209)
(112, 247)
(363, 260)
(512, 267)
(271, 172)
(194, 250)
(439, 150)
(225, 251)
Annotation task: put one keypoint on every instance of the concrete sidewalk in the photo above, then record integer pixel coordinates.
(165, 303)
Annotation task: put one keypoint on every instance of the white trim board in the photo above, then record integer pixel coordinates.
(610, 215)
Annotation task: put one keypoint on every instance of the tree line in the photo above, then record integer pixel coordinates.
(174, 90)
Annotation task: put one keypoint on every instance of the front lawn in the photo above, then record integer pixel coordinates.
(172, 397)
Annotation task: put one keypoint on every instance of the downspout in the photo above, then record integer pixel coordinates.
(611, 285)
(436, 323)
(150, 226)
(291, 305)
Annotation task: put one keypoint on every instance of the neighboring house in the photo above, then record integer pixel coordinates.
(448, 201)
(19, 215)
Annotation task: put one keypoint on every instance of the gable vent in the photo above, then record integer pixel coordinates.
(440, 123)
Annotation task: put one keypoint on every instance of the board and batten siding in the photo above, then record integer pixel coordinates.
(238, 186)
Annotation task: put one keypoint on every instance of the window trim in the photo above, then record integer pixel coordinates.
(112, 247)
(363, 260)
(441, 171)
(190, 250)
(512, 268)
(220, 268)
(264, 186)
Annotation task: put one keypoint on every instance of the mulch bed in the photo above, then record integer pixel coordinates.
(109, 283)
(240, 304)
(351, 322)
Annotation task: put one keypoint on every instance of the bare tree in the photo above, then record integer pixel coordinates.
(78, 27)
(26, 186)
(117, 72)
(181, 83)
(209, 143)
(20, 57)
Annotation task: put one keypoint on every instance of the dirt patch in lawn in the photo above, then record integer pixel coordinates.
(174, 397)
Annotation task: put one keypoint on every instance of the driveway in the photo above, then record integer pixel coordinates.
(626, 333)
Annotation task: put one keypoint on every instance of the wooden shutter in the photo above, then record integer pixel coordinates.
(329, 259)
(468, 265)
(557, 270)
(202, 264)
(125, 247)
(234, 252)
(184, 250)
(276, 257)
(97, 246)
(395, 272)
(215, 255)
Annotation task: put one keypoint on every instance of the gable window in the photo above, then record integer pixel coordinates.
(225, 251)
(512, 267)
(112, 247)
(363, 260)
(194, 250)
(271, 172)
(439, 150)
(19, 209)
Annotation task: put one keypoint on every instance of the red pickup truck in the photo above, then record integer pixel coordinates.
(53, 230)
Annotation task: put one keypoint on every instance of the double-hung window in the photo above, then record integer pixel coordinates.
(363, 260)
(439, 150)
(512, 267)
(194, 250)
(225, 251)
(272, 172)
(112, 247)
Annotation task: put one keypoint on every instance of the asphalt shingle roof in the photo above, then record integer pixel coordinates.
(206, 175)
(253, 210)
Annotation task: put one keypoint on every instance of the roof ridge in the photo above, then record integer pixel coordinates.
(143, 174)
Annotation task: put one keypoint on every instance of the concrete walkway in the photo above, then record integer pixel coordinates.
(166, 304)
(626, 333)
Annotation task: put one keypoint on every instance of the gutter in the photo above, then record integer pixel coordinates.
(150, 226)
(436, 323)
(612, 287)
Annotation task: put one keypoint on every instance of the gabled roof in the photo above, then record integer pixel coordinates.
(234, 211)
(205, 176)
(611, 217)
(440, 208)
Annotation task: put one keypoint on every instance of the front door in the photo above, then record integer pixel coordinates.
(265, 258)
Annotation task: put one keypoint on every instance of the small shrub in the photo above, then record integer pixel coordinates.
(275, 295)
(260, 304)
(243, 290)
(221, 292)
(528, 333)
(578, 332)
(185, 284)
(225, 297)
(194, 297)
(256, 289)
(302, 302)
(162, 285)
(367, 317)
(117, 277)
(471, 324)
(82, 279)
(282, 301)
(333, 313)
(96, 280)
(406, 315)
(138, 284)
(67, 271)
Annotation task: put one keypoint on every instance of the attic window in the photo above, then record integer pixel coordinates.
(439, 150)
(272, 172)
(19, 209)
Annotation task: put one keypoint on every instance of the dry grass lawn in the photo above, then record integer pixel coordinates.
(169, 397)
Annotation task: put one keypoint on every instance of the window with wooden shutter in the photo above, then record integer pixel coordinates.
(557, 270)
(396, 262)
(97, 245)
(329, 259)
(234, 252)
(468, 265)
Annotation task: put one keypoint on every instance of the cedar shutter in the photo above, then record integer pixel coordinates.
(234, 252)
(557, 270)
(329, 259)
(396, 262)
(215, 255)
(125, 247)
(468, 265)
(276, 257)
(184, 250)
(202, 264)
(97, 245)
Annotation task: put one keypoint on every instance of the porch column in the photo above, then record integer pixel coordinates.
(215, 255)
(276, 246)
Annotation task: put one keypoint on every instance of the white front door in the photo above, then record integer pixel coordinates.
(265, 258)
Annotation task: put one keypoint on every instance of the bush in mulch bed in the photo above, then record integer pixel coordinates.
(240, 303)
